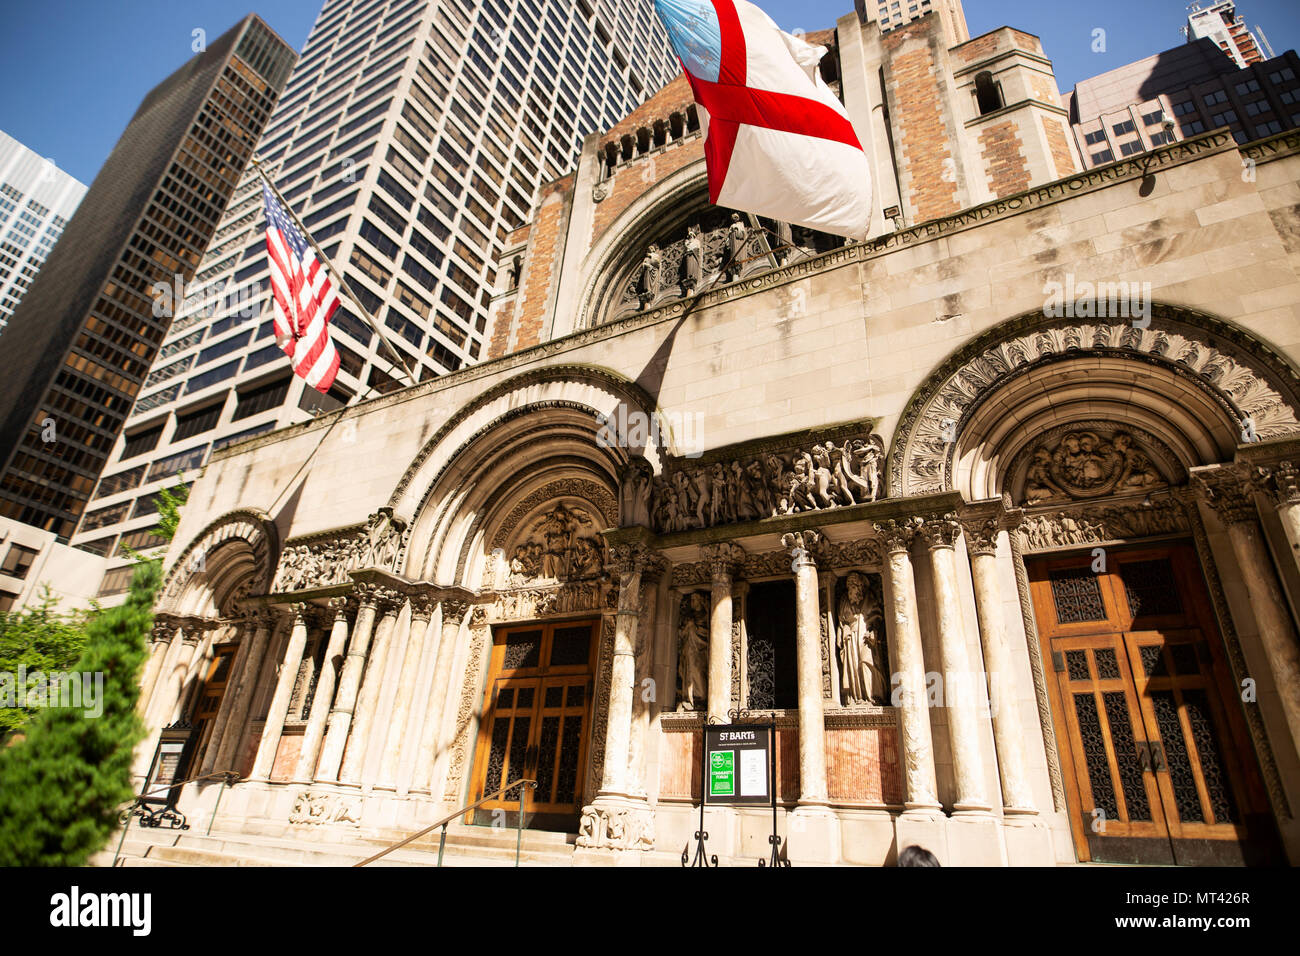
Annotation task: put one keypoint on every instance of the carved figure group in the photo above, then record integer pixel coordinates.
(1085, 465)
(326, 563)
(826, 475)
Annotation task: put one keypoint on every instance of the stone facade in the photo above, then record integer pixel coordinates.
(939, 433)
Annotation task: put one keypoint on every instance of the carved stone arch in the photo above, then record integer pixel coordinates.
(233, 558)
(1194, 381)
(548, 424)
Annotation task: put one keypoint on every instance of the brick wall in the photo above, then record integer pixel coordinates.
(1004, 160)
(918, 113)
(1062, 158)
(632, 179)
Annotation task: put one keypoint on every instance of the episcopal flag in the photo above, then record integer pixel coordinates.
(778, 141)
(304, 299)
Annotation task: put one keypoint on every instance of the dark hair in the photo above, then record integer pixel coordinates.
(917, 856)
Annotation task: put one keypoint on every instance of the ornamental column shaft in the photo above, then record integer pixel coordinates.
(279, 710)
(1229, 496)
(159, 645)
(320, 710)
(435, 739)
(908, 693)
(345, 700)
(398, 732)
(228, 750)
(724, 560)
(982, 543)
(644, 661)
(960, 678)
(354, 758)
(808, 668)
(627, 563)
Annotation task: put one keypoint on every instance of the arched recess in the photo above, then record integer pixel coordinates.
(1195, 384)
(560, 434)
(233, 558)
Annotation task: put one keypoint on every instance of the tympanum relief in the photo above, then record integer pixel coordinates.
(557, 567)
(1089, 463)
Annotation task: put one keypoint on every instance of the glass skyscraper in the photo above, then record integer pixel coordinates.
(410, 138)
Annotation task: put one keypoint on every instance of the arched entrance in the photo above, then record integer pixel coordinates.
(1088, 433)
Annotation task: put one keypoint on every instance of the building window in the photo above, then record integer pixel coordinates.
(1250, 86)
(1120, 129)
(1268, 129)
(1218, 96)
(1129, 148)
(19, 561)
(1104, 156)
(141, 442)
(116, 581)
(196, 423)
(257, 400)
(1095, 137)
(1195, 126)
(1226, 118)
(770, 664)
(988, 93)
(1153, 119)
(1162, 138)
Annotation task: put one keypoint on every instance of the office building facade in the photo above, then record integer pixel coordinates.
(411, 138)
(82, 341)
(36, 201)
(1220, 23)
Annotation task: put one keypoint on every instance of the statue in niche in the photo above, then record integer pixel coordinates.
(693, 651)
(516, 269)
(634, 493)
(861, 653)
(737, 236)
(692, 261)
(648, 277)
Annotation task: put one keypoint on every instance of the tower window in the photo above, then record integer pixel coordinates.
(988, 93)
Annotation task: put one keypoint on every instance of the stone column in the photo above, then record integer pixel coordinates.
(908, 692)
(724, 561)
(275, 717)
(1280, 481)
(228, 750)
(371, 687)
(627, 562)
(982, 532)
(398, 732)
(170, 691)
(345, 700)
(320, 709)
(159, 644)
(808, 665)
(1226, 491)
(960, 678)
(435, 738)
(644, 657)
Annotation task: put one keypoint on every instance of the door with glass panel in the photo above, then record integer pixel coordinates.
(1157, 762)
(537, 723)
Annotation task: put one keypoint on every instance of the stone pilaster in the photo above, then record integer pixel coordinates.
(349, 685)
(908, 683)
(279, 710)
(325, 683)
(160, 642)
(983, 529)
(808, 666)
(724, 560)
(1227, 491)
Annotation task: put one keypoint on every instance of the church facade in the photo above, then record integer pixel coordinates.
(995, 515)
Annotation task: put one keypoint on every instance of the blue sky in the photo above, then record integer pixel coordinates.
(72, 72)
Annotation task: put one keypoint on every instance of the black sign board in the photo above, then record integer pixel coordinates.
(738, 761)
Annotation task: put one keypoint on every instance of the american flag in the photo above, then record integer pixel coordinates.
(304, 299)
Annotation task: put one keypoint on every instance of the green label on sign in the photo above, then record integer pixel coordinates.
(722, 773)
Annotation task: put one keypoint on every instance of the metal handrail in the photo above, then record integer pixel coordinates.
(442, 840)
(231, 778)
(228, 778)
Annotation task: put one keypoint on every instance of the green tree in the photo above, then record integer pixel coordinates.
(37, 638)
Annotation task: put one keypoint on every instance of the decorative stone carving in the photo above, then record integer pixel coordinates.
(940, 531)
(982, 534)
(1280, 482)
(320, 808)
(1227, 491)
(616, 828)
(1098, 524)
(692, 494)
(693, 651)
(634, 493)
(325, 561)
(556, 568)
(930, 426)
(897, 534)
(860, 640)
(597, 496)
(1084, 463)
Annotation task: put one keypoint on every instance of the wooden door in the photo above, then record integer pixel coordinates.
(537, 723)
(1158, 765)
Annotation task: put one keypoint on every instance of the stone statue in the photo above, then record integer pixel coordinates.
(516, 270)
(862, 665)
(647, 280)
(1138, 472)
(693, 651)
(634, 493)
(737, 236)
(692, 261)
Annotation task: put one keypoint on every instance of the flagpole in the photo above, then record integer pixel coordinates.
(342, 282)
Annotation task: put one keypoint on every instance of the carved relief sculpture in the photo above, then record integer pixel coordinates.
(859, 641)
(326, 562)
(1083, 464)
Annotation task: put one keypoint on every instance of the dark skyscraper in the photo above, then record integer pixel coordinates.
(79, 346)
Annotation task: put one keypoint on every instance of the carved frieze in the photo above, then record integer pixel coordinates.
(326, 561)
(320, 808)
(1096, 524)
(616, 828)
(692, 494)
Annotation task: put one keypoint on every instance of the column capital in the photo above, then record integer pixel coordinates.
(389, 601)
(632, 558)
(367, 595)
(1226, 489)
(479, 616)
(940, 531)
(422, 605)
(725, 559)
(982, 534)
(300, 612)
(803, 546)
(340, 606)
(899, 533)
(1279, 481)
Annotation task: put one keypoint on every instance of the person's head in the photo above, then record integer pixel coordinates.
(917, 856)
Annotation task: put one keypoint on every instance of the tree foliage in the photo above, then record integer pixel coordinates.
(38, 638)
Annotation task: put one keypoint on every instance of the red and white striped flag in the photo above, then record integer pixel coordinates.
(304, 299)
(778, 141)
